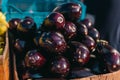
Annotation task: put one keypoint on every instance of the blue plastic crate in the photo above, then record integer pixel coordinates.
(37, 9)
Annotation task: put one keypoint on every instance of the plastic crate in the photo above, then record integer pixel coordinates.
(37, 9)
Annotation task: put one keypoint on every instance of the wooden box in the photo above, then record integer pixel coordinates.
(4, 61)
(10, 72)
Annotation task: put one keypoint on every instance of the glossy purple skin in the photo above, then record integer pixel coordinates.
(114, 65)
(89, 42)
(111, 57)
(94, 33)
(87, 23)
(71, 11)
(53, 42)
(26, 29)
(81, 29)
(13, 23)
(26, 25)
(54, 21)
(70, 30)
(60, 66)
(19, 45)
(81, 54)
(34, 59)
